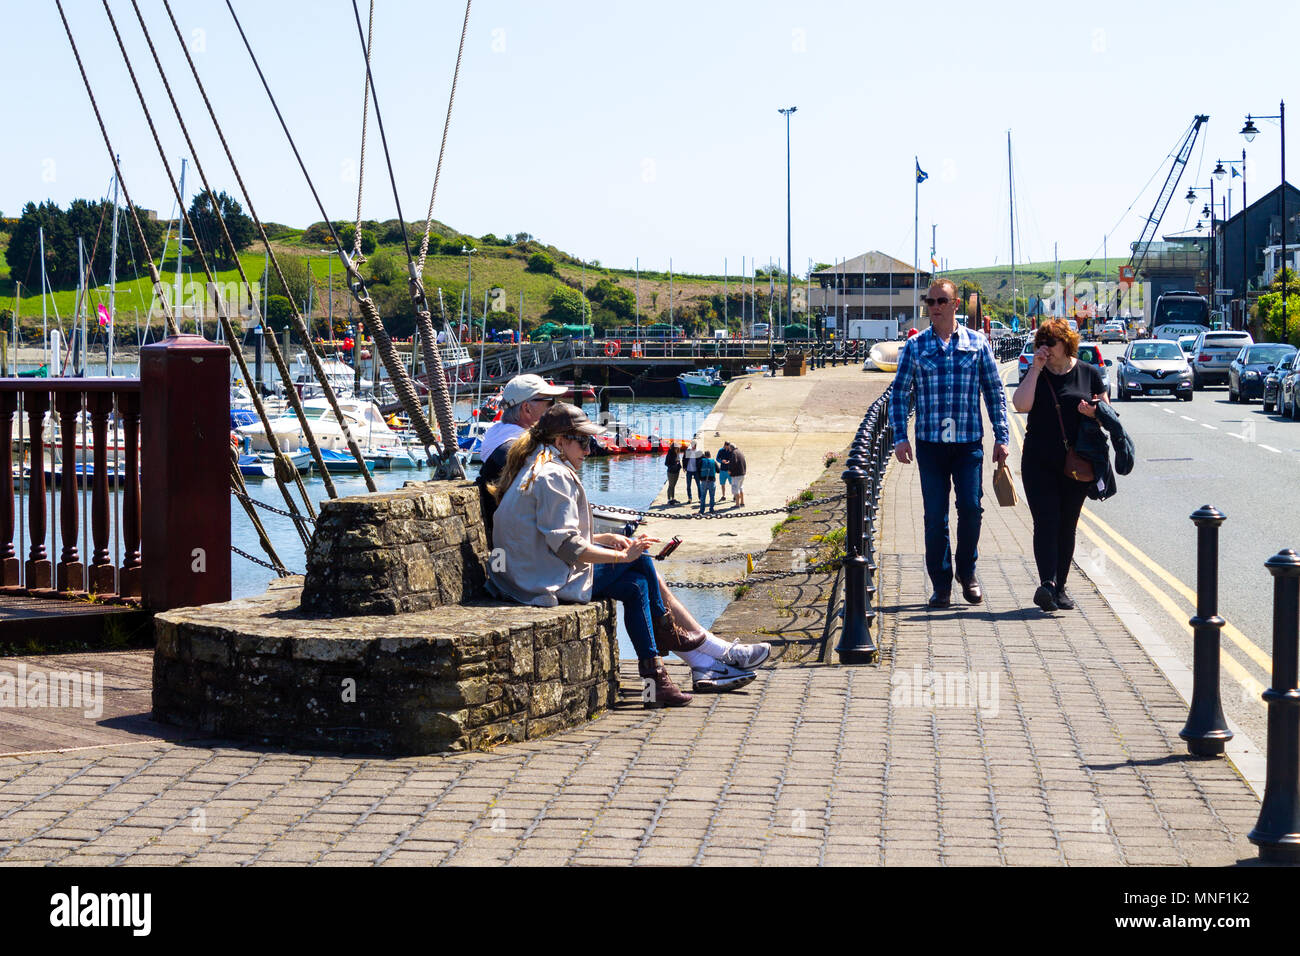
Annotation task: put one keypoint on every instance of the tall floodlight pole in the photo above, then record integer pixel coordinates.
(789, 278)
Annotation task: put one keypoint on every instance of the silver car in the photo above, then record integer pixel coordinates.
(1213, 353)
(1153, 367)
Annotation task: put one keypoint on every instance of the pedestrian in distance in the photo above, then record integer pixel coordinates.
(691, 464)
(1059, 393)
(723, 459)
(673, 463)
(737, 470)
(943, 371)
(705, 480)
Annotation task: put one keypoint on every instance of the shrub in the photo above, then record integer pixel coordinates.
(541, 262)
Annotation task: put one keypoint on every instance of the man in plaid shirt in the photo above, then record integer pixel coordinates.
(943, 371)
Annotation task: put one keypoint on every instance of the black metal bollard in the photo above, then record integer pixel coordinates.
(1277, 831)
(855, 646)
(1206, 730)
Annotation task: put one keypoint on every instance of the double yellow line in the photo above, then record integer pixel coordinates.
(1174, 598)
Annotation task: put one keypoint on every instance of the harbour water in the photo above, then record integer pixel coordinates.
(627, 481)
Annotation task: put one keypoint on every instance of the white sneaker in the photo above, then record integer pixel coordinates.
(719, 678)
(747, 656)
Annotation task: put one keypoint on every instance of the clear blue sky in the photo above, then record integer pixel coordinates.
(619, 130)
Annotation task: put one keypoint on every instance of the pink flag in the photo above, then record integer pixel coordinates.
(104, 318)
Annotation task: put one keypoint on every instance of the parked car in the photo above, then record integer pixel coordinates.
(1273, 384)
(1112, 331)
(1025, 360)
(1247, 370)
(1214, 352)
(1286, 393)
(1153, 367)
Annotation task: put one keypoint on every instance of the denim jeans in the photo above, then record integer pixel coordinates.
(636, 587)
(691, 477)
(944, 467)
(705, 488)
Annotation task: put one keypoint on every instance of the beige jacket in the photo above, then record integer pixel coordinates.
(540, 527)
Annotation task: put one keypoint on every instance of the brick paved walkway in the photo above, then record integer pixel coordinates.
(1063, 750)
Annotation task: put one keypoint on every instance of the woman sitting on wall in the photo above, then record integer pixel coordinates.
(543, 529)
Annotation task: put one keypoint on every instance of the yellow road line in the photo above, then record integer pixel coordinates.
(1230, 664)
(1252, 650)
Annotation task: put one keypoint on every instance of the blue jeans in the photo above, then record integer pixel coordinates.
(705, 489)
(691, 477)
(943, 467)
(636, 587)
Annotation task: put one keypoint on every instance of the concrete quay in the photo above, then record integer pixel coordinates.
(1047, 740)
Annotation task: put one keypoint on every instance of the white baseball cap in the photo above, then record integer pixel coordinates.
(522, 388)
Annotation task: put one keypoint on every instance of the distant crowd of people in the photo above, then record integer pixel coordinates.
(706, 472)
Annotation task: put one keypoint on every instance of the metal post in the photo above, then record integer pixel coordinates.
(1206, 730)
(1277, 831)
(855, 646)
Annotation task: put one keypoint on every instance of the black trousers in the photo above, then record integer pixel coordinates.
(1055, 501)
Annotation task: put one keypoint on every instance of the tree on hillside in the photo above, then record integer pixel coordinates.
(279, 313)
(204, 211)
(541, 262)
(348, 234)
(60, 246)
(295, 274)
(567, 307)
(384, 267)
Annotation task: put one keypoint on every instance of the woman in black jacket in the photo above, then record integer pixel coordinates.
(1056, 378)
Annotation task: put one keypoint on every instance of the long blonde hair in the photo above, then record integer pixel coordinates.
(520, 454)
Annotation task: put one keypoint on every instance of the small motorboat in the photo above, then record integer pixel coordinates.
(883, 357)
(704, 383)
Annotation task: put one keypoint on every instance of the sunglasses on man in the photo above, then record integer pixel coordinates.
(938, 300)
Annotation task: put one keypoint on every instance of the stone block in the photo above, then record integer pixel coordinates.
(575, 661)
(209, 648)
(547, 698)
(548, 663)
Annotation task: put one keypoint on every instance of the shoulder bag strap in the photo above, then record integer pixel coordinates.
(1055, 401)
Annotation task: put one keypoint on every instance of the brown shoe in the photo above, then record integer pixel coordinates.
(657, 688)
(970, 590)
(670, 637)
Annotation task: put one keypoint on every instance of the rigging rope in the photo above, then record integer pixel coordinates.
(117, 171)
(449, 464)
(326, 386)
(203, 259)
(392, 363)
(365, 113)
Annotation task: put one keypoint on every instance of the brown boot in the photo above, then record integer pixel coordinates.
(657, 688)
(670, 637)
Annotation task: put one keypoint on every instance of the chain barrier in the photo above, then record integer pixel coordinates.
(793, 506)
(761, 578)
(302, 519)
(245, 554)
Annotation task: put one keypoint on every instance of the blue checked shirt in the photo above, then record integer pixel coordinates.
(945, 385)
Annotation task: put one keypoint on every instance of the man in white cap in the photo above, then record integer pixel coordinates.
(524, 400)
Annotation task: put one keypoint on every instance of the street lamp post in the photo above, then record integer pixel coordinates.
(1219, 173)
(1249, 131)
(1208, 212)
(789, 279)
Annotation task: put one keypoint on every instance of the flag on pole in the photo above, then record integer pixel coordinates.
(921, 175)
(105, 319)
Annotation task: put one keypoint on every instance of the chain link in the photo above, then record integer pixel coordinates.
(262, 504)
(255, 560)
(761, 578)
(793, 506)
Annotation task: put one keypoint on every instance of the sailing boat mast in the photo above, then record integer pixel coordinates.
(45, 328)
(180, 251)
(1011, 200)
(112, 286)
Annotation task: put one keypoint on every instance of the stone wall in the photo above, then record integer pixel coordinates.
(421, 547)
(389, 644)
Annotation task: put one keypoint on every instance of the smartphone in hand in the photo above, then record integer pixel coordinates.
(669, 548)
